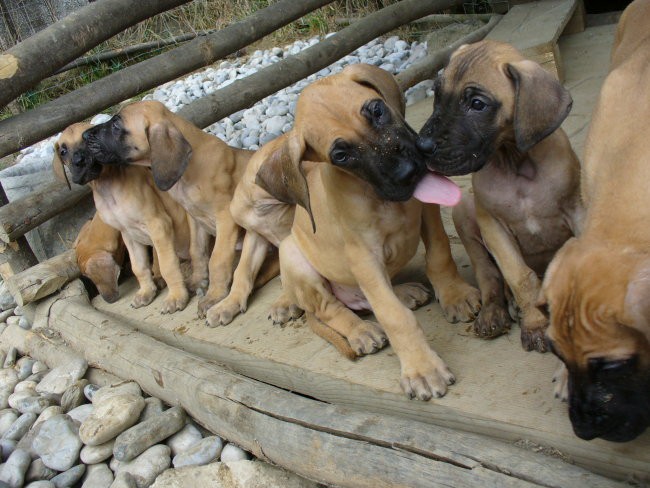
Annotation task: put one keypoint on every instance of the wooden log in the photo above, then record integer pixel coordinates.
(23, 214)
(428, 67)
(43, 279)
(15, 256)
(324, 442)
(429, 19)
(242, 93)
(32, 126)
(39, 56)
(49, 348)
(133, 49)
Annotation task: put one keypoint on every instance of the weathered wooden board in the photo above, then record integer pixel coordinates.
(534, 29)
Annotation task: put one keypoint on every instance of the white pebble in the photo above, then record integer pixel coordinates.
(231, 453)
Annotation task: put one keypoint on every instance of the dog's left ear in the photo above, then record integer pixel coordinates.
(58, 167)
(170, 153)
(379, 80)
(282, 175)
(541, 103)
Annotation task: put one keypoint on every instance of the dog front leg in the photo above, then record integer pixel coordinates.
(199, 252)
(424, 374)
(222, 261)
(140, 265)
(522, 280)
(493, 319)
(162, 235)
(459, 300)
(253, 253)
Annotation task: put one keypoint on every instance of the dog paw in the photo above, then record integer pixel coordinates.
(367, 337)
(412, 295)
(175, 301)
(283, 310)
(224, 312)
(533, 328)
(460, 302)
(144, 297)
(492, 321)
(281, 314)
(208, 301)
(561, 380)
(198, 286)
(424, 379)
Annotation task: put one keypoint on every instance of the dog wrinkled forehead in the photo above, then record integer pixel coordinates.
(480, 57)
(72, 135)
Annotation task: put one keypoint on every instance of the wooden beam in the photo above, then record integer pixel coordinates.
(428, 67)
(40, 55)
(43, 279)
(324, 442)
(32, 126)
(23, 214)
(14, 256)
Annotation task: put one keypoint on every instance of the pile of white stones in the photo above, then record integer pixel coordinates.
(59, 430)
(272, 116)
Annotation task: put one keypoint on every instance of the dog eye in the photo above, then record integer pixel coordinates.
(377, 109)
(478, 104)
(63, 151)
(339, 156)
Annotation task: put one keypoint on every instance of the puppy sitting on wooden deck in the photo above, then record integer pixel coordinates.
(100, 253)
(496, 115)
(357, 224)
(127, 199)
(199, 170)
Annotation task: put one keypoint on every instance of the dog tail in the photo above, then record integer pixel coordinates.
(330, 335)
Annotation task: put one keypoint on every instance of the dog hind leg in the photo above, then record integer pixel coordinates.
(310, 291)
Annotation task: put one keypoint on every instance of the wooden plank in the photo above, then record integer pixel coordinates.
(15, 256)
(304, 435)
(536, 26)
(43, 279)
(26, 213)
(534, 29)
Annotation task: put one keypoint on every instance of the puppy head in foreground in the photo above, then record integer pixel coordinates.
(600, 329)
(142, 133)
(71, 151)
(354, 120)
(488, 98)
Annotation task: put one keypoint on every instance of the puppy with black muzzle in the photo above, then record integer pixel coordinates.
(198, 170)
(127, 200)
(496, 115)
(598, 286)
(352, 166)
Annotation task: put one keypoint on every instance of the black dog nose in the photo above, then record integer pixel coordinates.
(426, 145)
(78, 158)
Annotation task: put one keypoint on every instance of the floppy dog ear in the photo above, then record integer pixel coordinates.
(58, 167)
(170, 154)
(379, 80)
(541, 103)
(637, 299)
(282, 175)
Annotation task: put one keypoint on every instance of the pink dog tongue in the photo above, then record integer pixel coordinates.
(435, 188)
